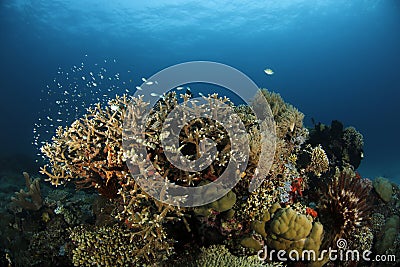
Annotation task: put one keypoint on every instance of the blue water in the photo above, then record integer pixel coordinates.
(332, 59)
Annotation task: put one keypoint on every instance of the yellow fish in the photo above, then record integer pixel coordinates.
(269, 71)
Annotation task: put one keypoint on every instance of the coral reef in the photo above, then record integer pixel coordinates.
(48, 247)
(89, 151)
(114, 220)
(377, 222)
(363, 239)
(287, 118)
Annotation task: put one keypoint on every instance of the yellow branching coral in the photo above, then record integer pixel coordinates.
(319, 161)
(89, 151)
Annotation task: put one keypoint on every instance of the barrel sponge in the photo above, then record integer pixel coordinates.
(290, 225)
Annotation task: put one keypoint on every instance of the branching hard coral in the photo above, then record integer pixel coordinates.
(319, 161)
(32, 199)
(112, 246)
(291, 135)
(89, 151)
(344, 205)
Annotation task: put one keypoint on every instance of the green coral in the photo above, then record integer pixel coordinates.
(391, 230)
(384, 188)
(250, 242)
(225, 203)
(288, 230)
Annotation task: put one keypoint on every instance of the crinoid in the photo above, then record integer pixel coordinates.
(344, 204)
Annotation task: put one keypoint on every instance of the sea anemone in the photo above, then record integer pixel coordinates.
(344, 204)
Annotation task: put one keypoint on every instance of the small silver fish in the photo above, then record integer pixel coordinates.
(156, 95)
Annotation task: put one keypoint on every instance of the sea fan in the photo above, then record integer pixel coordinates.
(344, 205)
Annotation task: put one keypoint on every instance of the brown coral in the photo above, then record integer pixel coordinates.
(89, 151)
(32, 199)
